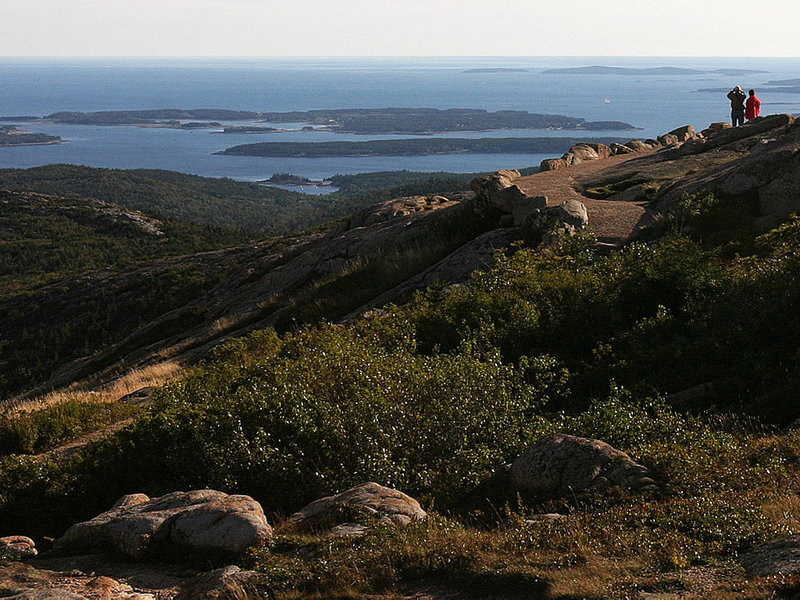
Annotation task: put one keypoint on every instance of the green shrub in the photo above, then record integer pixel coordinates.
(32, 432)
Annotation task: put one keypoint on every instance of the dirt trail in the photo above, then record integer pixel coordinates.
(612, 221)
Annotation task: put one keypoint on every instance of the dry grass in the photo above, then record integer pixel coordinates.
(150, 376)
(784, 512)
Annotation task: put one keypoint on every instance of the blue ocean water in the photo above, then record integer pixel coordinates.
(656, 104)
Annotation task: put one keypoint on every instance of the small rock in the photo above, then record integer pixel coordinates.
(552, 164)
(385, 504)
(18, 546)
(220, 584)
(545, 517)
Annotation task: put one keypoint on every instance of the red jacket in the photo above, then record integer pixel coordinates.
(752, 107)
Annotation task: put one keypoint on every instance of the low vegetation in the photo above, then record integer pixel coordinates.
(434, 396)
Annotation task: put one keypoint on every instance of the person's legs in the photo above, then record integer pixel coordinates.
(737, 117)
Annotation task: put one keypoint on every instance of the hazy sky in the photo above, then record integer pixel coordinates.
(399, 28)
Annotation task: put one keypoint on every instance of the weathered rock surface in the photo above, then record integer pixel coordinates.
(668, 139)
(769, 168)
(560, 464)
(637, 145)
(17, 545)
(222, 584)
(386, 504)
(92, 577)
(568, 216)
(682, 134)
(500, 188)
(776, 557)
(620, 149)
(198, 521)
(552, 164)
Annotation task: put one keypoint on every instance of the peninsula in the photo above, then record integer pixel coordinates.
(11, 136)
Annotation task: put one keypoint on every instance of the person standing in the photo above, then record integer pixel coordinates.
(752, 106)
(737, 96)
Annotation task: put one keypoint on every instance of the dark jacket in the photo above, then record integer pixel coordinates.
(737, 99)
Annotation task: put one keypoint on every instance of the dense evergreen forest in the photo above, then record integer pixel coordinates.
(413, 147)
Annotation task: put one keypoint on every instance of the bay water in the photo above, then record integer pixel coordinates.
(653, 103)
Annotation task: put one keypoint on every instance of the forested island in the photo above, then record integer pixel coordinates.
(11, 136)
(356, 120)
(411, 147)
(433, 120)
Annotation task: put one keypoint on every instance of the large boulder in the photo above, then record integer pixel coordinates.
(370, 499)
(620, 149)
(682, 134)
(195, 522)
(560, 464)
(667, 139)
(637, 146)
(523, 208)
(570, 214)
(496, 184)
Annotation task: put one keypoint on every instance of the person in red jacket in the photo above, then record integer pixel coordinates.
(753, 106)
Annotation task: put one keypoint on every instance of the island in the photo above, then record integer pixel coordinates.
(431, 120)
(603, 70)
(414, 121)
(496, 70)
(248, 130)
(412, 147)
(11, 136)
(163, 117)
(295, 180)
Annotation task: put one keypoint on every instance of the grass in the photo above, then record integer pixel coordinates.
(42, 423)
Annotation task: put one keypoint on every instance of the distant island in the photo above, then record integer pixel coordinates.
(602, 70)
(433, 120)
(167, 116)
(358, 120)
(295, 180)
(11, 136)
(411, 147)
(246, 129)
(496, 70)
(789, 82)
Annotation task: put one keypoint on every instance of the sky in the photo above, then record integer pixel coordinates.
(265, 28)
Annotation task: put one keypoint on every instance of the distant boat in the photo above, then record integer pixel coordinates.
(607, 101)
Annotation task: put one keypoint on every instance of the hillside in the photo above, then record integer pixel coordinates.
(641, 296)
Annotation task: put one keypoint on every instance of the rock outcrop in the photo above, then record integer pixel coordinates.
(560, 464)
(768, 170)
(369, 499)
(506, 195)
(194, 522)
(776, 557)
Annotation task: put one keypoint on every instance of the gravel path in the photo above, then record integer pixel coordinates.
(612, 221)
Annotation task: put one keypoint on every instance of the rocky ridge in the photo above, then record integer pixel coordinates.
(637, 182)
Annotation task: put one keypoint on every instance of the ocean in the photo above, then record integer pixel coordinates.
(653, 103)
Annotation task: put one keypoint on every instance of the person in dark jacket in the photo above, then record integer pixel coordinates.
(737, 96)
(752, 106)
